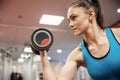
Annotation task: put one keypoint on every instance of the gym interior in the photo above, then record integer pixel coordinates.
(20, 18)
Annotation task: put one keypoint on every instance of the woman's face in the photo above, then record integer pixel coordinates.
(78, 20)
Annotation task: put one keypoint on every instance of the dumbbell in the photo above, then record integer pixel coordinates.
(41, 39)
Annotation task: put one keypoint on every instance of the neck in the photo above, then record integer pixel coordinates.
(93, 35)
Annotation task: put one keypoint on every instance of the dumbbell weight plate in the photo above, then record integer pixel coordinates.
(41, 39)
(35, 51)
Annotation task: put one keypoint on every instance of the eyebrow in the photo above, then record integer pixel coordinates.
(70, 16)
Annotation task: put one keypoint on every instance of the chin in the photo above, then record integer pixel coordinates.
(76, 34)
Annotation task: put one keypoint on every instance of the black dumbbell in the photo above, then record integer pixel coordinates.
(41, 39)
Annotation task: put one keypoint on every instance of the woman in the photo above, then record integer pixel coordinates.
(100, 48)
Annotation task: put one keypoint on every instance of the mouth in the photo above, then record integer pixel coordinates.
(74, 29)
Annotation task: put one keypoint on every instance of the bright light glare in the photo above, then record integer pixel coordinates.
(118, 10)
(26, 56)
(20, 60)
(28, 49)
(59, 51)
(49, 58)
(22, 55)
(37, 58)
(51, 19)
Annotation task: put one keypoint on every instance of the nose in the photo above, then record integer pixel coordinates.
(71, 24)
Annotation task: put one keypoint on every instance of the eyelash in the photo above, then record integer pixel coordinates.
(73, 18)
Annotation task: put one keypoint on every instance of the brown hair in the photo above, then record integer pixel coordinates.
(87, 4)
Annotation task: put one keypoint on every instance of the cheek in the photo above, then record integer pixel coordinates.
(82, 25)
(82, 22)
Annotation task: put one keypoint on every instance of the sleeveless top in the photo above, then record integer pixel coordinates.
(106, 67)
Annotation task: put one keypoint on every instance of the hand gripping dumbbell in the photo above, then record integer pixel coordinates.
(41, 40)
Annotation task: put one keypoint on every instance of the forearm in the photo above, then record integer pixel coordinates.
(48, 72)
(67, 72)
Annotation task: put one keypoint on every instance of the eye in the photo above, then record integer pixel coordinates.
(73, 17)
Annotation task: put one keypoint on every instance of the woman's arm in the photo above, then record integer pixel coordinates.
(67, 72)
(74, 61)
(48, 73)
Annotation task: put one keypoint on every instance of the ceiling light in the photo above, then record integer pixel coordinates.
(22, 55)
(49, 58)
(59, 51)
(118, 10)
(20, 60)
(26, 56)
(51, 19)
(27, 49)
(38, 58)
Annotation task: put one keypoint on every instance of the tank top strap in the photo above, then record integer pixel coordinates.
(111, 38)
(112, 41)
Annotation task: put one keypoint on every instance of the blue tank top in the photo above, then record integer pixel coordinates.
(107, 67)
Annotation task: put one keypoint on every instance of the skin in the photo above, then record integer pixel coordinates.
(81, 22)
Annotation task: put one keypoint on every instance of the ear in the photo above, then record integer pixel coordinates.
(91, 15)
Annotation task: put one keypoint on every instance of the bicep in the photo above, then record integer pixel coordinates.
(73, 62)
(68, 71)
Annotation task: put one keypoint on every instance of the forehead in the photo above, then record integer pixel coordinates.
(74, 11)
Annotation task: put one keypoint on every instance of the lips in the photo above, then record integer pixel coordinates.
(73, 29)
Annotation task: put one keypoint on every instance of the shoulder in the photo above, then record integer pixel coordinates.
(76, 56)
(116, 32)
